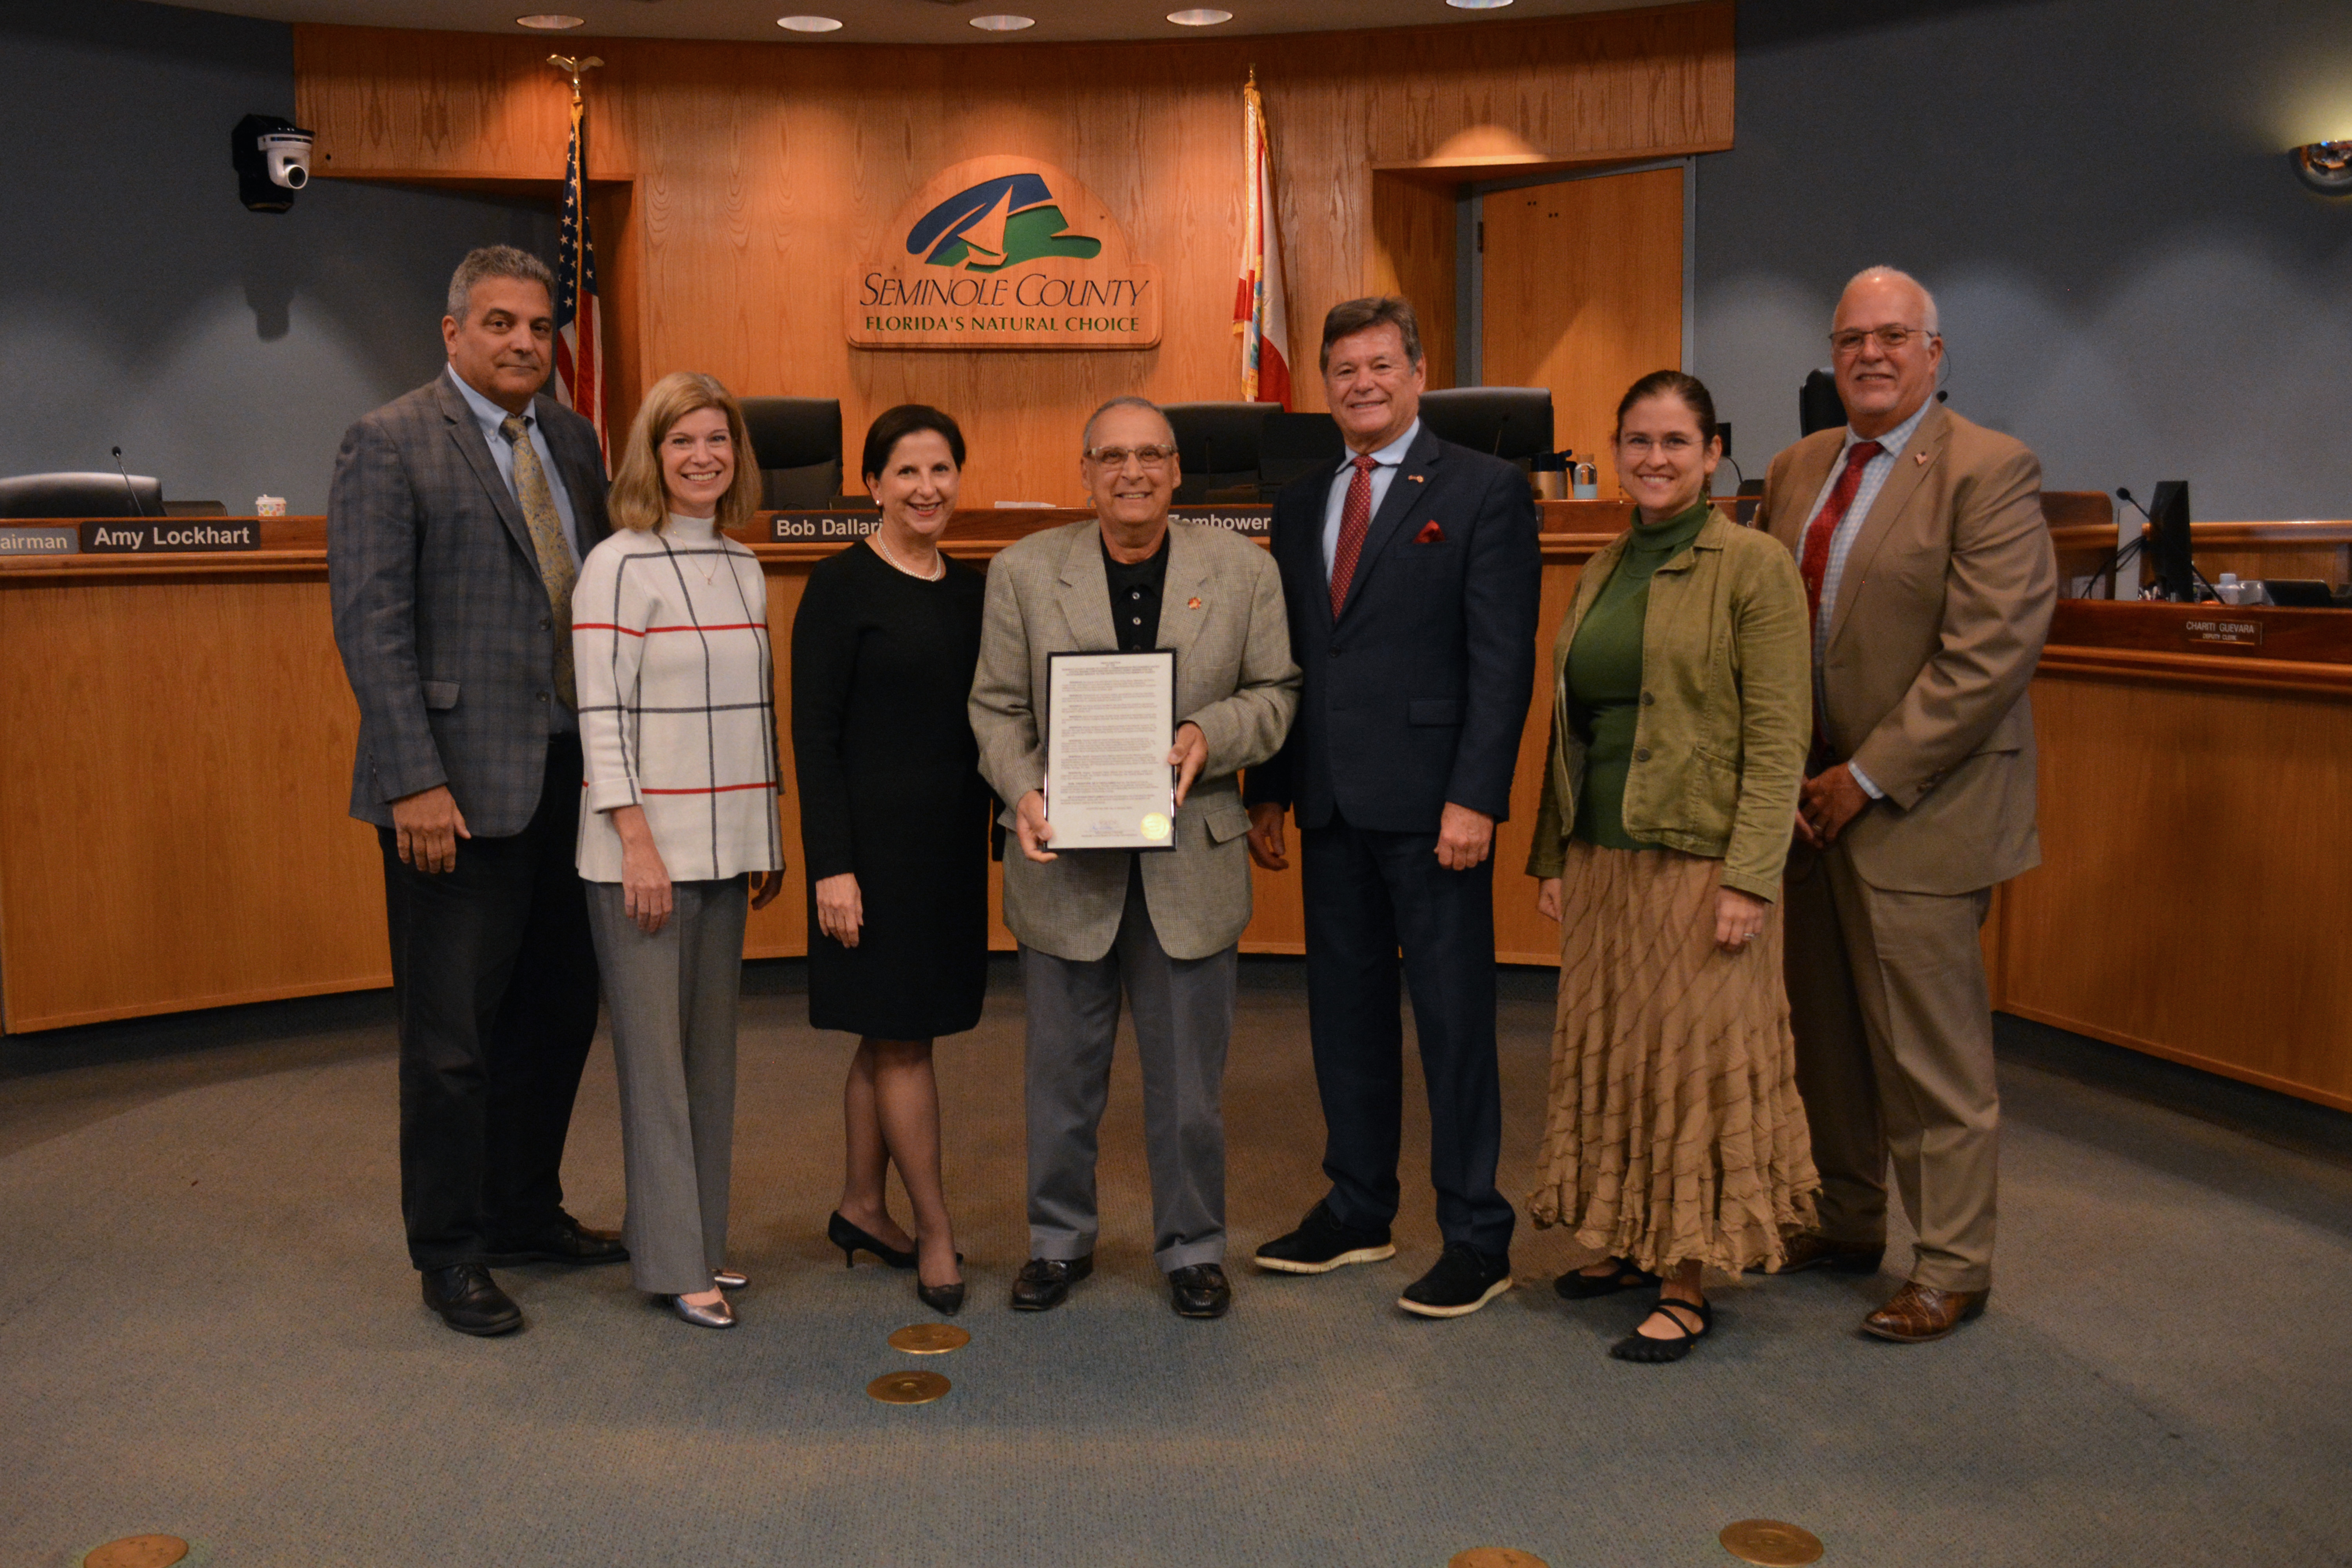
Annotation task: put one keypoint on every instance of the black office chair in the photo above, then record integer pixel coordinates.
(1819, 406)
(1217, 444)
(1513, 422)
(1292, 445)
(80, 495)
(797, 444)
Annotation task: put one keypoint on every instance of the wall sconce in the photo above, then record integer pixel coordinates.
(2326, 167)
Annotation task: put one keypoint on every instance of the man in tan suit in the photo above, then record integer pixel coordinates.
(1921, 541)
(1164, 925)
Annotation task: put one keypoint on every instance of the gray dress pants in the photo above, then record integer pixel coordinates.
(673, 998)
(1184, 1013)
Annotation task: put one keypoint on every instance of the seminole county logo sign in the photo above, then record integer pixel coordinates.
(1004, 253)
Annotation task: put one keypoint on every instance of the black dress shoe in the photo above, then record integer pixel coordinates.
(471, 1301)
(1322, 1244)
(563, 1240)
(1045, 1281)
(1200, 1292)
(1461, 1280)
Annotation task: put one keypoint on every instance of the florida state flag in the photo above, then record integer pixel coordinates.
(1258, 313)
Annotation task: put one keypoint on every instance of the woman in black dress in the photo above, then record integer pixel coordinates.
(894, 829)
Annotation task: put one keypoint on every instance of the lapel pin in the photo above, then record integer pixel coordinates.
(1920, 459)
(1191, 604)
(1416, 479)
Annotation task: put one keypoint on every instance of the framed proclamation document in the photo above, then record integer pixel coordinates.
(1110, 719)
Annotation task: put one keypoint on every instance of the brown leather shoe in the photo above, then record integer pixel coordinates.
(1921, 1312)
(1811, 1249)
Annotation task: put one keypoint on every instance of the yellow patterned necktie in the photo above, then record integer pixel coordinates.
(546, 525)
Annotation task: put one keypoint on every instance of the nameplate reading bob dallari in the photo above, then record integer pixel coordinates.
(1110, 719)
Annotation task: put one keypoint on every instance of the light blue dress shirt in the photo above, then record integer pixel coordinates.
(561, 719)
(1874, 474)
(1389, 458)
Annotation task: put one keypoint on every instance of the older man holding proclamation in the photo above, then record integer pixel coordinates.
(1163, 924)
(1921, 541)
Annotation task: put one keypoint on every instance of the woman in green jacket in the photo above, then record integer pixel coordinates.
(1681, 708)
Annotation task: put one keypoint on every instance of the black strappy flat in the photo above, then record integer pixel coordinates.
(1577, 1286)
(1639, 1347)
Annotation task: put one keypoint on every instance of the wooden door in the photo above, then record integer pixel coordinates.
(1584, 293)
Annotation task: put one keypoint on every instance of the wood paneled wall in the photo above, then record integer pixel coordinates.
(755, 173)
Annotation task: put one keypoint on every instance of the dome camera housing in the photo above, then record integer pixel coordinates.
(272, 156)
(2326, 167)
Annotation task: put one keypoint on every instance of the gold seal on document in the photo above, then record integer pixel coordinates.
(929, 1338)
(1495, 1557)
(137, 1552)
(909, 1387)
(1155, 824)
(1770, 1542)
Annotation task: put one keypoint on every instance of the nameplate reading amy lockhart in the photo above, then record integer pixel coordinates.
(2230, 634)
(819, 527)
(168, 536)
(1110, 718)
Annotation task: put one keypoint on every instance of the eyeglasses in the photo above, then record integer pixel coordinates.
(1116, 456)
(1639, 446)
(1890, 338)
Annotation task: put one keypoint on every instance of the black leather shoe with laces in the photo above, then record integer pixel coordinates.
(562, 1240)
(471, 1301)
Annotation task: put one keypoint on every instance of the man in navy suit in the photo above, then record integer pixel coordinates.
(1411, 571)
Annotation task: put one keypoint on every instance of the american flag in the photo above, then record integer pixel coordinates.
(1258, 313)
(579, 326)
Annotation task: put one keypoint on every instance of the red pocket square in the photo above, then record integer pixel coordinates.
(1430, 533)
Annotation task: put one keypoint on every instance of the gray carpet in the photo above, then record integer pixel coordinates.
(207, 1326)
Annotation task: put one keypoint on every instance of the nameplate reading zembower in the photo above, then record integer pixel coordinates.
(168, 536)
(1249, 521)
(2229, 634)
(1004, 253)
(821, 526)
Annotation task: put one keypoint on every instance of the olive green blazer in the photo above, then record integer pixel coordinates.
(1727, 708)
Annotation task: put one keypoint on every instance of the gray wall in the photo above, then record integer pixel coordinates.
(142, 305)
(2131, 279)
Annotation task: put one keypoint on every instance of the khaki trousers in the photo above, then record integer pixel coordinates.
(1894, 1026)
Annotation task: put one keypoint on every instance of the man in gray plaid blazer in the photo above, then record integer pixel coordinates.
(455, 525)
(1164, 925)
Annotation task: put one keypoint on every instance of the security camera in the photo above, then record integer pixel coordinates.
(273, 160)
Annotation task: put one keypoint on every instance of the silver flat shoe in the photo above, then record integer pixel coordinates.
(729, 1278)
(717, 1315)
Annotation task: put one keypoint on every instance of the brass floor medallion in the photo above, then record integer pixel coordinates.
(137, 1552)
(929, 1338)
(1496, 1557)
(909, 1387)
(1771, 1543)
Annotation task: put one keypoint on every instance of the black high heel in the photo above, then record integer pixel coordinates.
(852, 1240)
(948, 1299)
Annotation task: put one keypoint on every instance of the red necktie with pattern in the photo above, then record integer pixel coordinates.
(1355, 520)
(1815, 564)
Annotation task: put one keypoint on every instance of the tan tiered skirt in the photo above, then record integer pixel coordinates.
(1675, 1131)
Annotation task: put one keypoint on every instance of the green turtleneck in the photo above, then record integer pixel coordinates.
(1604, 674)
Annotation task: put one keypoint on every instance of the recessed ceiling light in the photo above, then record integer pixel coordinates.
(1477, 4)
(1004, 24)
(551, 22)
(1200, 16)
(809, 24)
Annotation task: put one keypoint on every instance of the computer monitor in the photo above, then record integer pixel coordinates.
(99, 494)
(797, 443)
(1509, 422)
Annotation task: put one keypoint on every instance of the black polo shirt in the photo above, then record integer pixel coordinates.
(1135, 598)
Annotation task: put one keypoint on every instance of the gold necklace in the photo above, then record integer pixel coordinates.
(939, 565)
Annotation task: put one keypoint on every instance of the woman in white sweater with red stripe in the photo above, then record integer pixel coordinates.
(677, 725)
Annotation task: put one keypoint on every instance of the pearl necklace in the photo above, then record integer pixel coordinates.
(939, 565)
